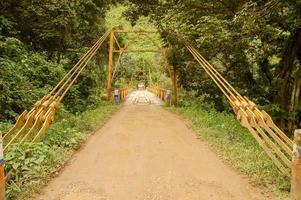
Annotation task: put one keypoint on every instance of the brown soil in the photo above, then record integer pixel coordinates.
(147, 153)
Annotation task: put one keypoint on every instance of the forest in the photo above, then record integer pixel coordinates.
(255, 45)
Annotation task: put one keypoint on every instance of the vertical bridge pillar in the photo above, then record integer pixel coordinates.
(110, 65)
(175, 86)
(296, 167)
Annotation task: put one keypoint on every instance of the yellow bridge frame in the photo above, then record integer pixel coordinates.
(112, 67)
(32, 124)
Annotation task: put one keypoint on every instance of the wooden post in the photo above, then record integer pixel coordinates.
(296, 167)
(150, 81)
(110, 66)
(175, 86)
(2, 176)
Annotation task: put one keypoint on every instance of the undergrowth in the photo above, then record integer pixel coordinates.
(31, 165)
(236, 146)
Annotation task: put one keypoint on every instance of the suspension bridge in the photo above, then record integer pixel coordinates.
(32, 125)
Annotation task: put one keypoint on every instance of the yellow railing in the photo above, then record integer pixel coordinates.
(162, 94)
(123, 92)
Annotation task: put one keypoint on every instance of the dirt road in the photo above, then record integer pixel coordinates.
(147, 153)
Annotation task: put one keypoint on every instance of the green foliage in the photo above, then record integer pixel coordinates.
(54, 26)
(235, 145)
(25, 77)
(254, 44)
(39, 42)
(136, 66)
(31, 165)
(256, 49)
(87, 92)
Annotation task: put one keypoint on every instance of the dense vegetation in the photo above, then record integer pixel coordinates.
(137, 66)
(255, 44)
(41, 40)
(30, 166)
(39, 43)
(234, 144)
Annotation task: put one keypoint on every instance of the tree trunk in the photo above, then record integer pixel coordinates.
(287, 65)
(58, 57)
(294, 102)
(175, 86)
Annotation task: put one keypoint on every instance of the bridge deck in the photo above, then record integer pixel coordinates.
(147, 153)
(142, 97)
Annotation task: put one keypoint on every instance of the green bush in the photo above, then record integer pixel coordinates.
(25, 77)
(236, 145)
(31, 165)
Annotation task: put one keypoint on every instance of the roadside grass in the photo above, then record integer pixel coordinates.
(236, 146)
(32, 165)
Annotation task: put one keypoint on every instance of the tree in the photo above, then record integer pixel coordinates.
(255, 45)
